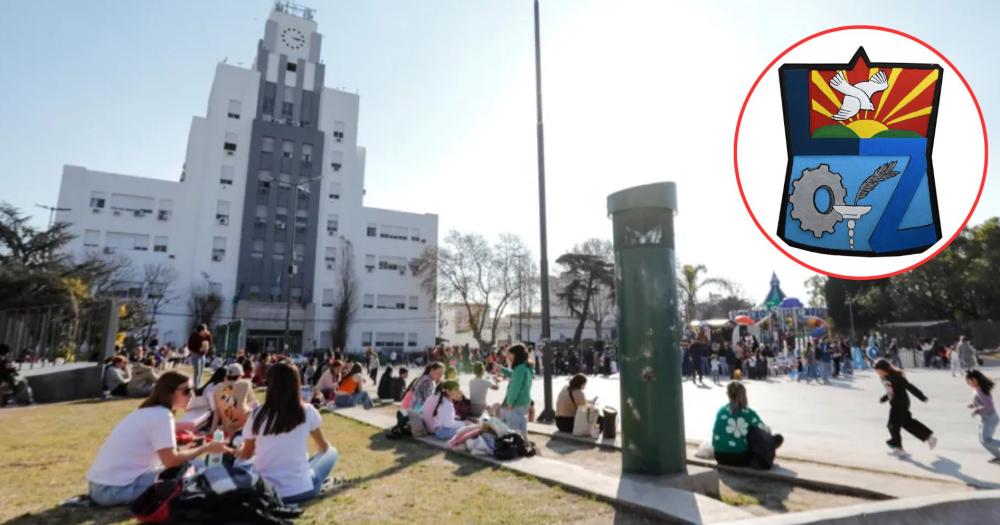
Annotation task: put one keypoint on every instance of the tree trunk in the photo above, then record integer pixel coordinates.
(583, 314)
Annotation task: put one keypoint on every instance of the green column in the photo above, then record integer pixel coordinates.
(649, 353)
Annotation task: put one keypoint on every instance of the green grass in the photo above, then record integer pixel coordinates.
(45, 452)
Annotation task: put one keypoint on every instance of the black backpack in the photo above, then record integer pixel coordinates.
(513, 445)
(402, 428)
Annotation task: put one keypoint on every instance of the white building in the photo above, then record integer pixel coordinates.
(273, 171)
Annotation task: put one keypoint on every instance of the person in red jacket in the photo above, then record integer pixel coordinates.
(199, 344)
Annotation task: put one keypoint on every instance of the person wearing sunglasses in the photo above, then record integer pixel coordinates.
(143, 444)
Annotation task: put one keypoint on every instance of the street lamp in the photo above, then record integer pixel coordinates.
(850, 310)
(302, 186)
(52, 211)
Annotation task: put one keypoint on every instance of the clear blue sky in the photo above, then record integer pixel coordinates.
(447, 101)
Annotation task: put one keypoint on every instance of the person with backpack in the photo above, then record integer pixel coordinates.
(517, 402)
(275, 437)
(897, 388)
(143, 444)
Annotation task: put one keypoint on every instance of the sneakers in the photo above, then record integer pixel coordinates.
(899, 453)
(995, 461)
(932, 442)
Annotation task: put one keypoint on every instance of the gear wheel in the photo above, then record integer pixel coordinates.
(803, 204)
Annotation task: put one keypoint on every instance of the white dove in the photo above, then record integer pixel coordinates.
(857, 96)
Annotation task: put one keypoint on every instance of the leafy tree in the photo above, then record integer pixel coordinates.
(690, 284)
(587, 271)
(815, 287)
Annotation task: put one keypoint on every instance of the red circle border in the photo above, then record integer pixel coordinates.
(739, 121)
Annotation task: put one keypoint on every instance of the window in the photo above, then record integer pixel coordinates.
(287, 148)
(160, 243)
(335, 191)
(332, 224)
(267, 145)
(296, 293)
(279, 251)
(140, 243)
(372, 230)
(226, 175)
(285, 180)
(254, 292)
(307, 152)
(368, 301)
(230, 145)
(398, 233)
(260, 219)
(234, 109)
(222, 213)
(166, 209)
(338, 131)
(97, 199)
(327, 297)
(389, 339)
(269, 88)
(300, 251)
(331, 255)
(366, 338)
(411, 339)
(281, 213)
(258, 249)
(218, 248)
(291, 67)
(392, 263)
(370, 262)
(301, 220)
(288, 106)
(414, 302)
(92, 238)
(391, 302)
(336, 160)
(136, 204)
(415, 234)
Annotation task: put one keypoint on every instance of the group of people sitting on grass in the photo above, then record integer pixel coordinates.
(125, 378)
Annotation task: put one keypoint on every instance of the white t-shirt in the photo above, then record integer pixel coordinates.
(130, 450)
(478, 388)
(446, 416)
(283, 459)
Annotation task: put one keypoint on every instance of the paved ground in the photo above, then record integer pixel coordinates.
(842, 423)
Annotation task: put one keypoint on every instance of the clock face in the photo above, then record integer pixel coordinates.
(293, 38)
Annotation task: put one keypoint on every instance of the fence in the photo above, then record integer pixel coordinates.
(55, 334)
(983, 334)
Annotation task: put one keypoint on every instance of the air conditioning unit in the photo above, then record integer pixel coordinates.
(370, 268)
(95, 210)
(163, 215)
(116, 213)
(335, 165)
(329, 266)
(108, 249)
(279, 226)
(331, 232)
(223, 220)
(216, 257)
(171, 256)
(423, 241)
(230, 152)
(402, 271)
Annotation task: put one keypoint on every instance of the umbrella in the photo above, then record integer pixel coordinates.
(744, 320)
(819, 332)
(790, 302)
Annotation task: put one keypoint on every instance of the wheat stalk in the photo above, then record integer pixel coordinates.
(882, 173)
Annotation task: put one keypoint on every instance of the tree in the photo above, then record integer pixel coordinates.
(481, 277)
(816, 286)
(528, 286)
(586, 273)
(346, 307)
(157, 282)
(718, 307)
(204, 305)
(689, 284)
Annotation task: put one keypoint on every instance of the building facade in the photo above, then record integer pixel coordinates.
(268, 211)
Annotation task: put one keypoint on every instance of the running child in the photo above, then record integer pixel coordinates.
(982, 406)
(897, 388)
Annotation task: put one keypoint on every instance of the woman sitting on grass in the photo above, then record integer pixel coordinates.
(423, 386)
(116, 376)
(143, 444)
(439, 412)
(350, 391)
(275, 435)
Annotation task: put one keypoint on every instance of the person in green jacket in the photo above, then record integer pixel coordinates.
(733, 424)
(517, 402)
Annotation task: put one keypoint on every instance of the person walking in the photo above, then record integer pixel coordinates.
(199, 344)
(982, 406)
(373, 365)
(954, 360)
(897, 394)
(966, 353)
(698, 351)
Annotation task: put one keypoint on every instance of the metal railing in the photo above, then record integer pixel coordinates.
(54, 334)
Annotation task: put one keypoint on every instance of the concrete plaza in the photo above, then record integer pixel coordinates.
(840, 424)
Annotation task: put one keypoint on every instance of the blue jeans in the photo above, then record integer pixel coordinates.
(988, 427)
(516, 418)
(321, 464)
(351, 400)
(824, 370)
(445, 433)
(112, 495)
(198, 363)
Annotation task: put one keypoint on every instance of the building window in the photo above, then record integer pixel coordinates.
(258, 249)
(92, 238)
(338, 131)
(234, 109)
(267, 144)
(301, 220)
(160, 243)
(307, 152)
(166, 209)
(218, 248)
(411, 339)
(372, 230)
(335, 191)
(368, 301)
(414, 302)
(222, 213)
(97, 199)
(279, 251)
(300, 251)
(327, 297)
(415, 234)
(398, 233)
(388, 340)
(254, 294)
(268, 108)
(332, 224)
(260, 219)
(288, 105)
(285, 180)
(331, 256)
(369, 262)
(287, 149)
(366, 338)
(230, 145)
(336, 160)
(291, 66)
(296, 294)
(226, 175)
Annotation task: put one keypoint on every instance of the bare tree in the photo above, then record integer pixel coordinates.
(481, 277)
(204, 305)
(346, 308)
(157, 282)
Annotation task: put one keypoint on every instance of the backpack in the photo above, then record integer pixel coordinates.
(513, 445)
(402, 428)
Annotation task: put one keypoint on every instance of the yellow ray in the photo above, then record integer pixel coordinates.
(872, 71)
(824, 88)
(819, 108)
(893, 75)
(918, 113)
(915, 92)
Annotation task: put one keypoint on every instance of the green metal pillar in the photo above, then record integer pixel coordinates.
(649, 330)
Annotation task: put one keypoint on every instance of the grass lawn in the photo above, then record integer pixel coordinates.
(46, 450)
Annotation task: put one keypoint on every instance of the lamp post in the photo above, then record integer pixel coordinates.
(850, 312)
(52, 211)
(548, 414)
(304, 188)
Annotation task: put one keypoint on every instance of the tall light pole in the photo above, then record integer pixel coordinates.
(547, 415)
(850, 311)
(52, 211)
(303, 187)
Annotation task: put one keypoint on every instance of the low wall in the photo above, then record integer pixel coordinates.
(64, 382)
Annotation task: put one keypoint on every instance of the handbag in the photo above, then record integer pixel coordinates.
(585, 421)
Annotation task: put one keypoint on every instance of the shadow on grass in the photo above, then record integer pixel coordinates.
(751, 490)
(74, 516)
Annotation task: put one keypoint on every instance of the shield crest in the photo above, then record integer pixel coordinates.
(859, 136)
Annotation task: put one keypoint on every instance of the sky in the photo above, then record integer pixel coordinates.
(634, 92)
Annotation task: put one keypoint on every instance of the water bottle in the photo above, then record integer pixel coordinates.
(216, 459)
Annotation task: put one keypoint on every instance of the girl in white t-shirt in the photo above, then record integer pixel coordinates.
(275, 436)
(143, 444)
